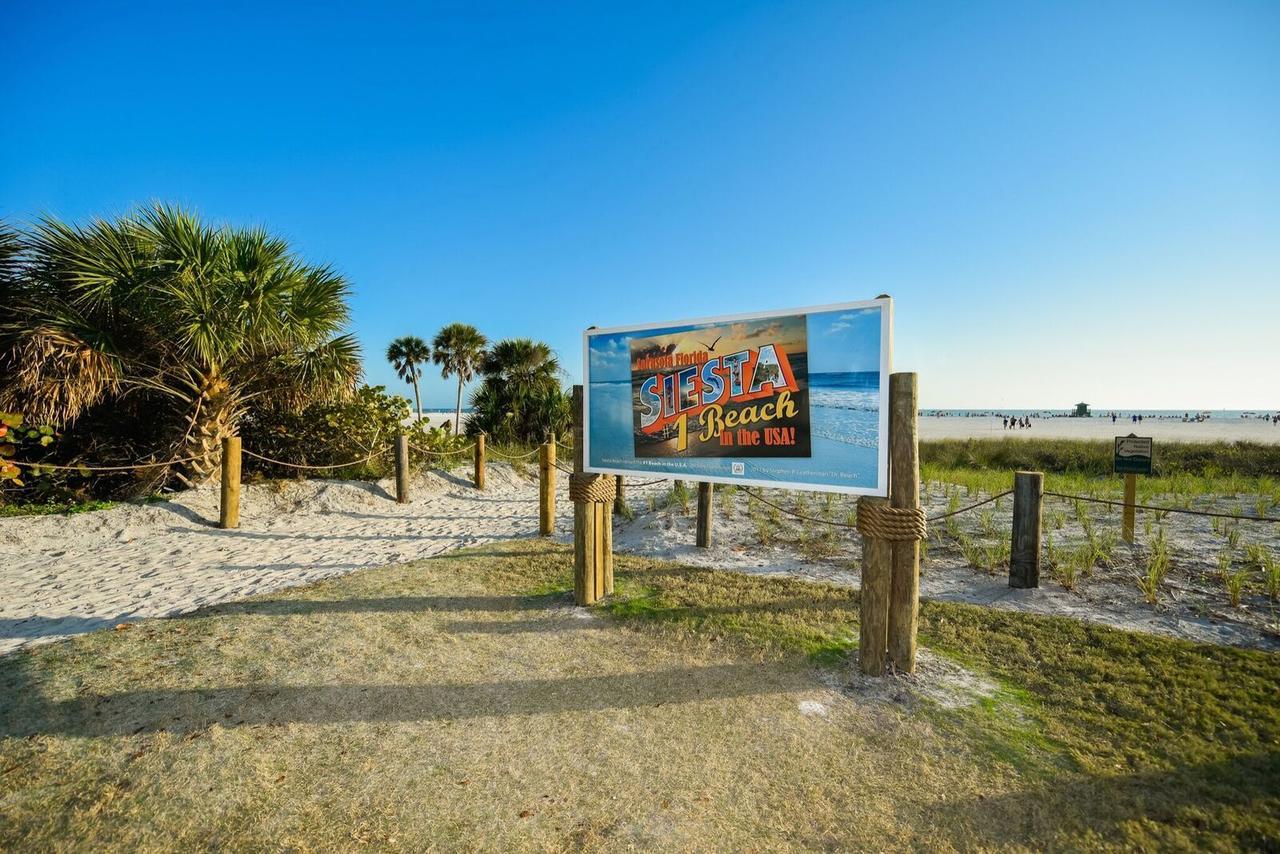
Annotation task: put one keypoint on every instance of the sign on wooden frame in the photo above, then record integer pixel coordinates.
(795, 399)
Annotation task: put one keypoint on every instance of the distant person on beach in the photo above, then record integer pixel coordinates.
(1006, 423)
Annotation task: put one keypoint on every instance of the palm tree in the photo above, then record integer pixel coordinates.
(459, 349)
(407, 355)
(171, 328)
(520, 398)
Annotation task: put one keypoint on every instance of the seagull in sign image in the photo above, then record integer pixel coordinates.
(711, 348)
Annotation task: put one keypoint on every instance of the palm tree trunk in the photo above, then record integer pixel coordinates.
(417, 401)
(212, 419)
(457, 415)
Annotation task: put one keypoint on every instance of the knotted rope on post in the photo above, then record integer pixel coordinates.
(592, 488)
(893, 524)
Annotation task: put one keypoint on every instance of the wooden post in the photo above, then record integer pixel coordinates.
(606, 549)
(873, 610)
(402, 469)
(1024, 552)
(479, 461)
(229, 515)
(620, 495)
(704, 515)
(904, 491)
(1130, 499)
(547, 487)
(586, 545)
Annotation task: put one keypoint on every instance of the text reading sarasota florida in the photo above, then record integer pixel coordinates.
(704, 385)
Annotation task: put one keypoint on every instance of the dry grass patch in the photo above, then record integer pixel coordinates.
(463, 703)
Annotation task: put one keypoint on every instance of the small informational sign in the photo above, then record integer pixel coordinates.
(1133, 454)
(796, 399)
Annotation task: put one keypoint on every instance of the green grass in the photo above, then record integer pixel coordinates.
(457, 702)
(52, 508)
(1094, 458)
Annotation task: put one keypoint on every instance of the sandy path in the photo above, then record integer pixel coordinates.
(62, 575)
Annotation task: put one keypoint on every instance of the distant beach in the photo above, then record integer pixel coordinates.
(1219, 427)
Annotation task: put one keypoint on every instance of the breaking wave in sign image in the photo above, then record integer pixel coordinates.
(844, 407)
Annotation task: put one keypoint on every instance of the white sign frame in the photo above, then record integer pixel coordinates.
(881, 490)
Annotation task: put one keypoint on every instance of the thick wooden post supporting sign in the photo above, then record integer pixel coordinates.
(1024, 551)
(620, 496)
(704, 515)
(229, 513)
(1130, 499)
(479, 461)
(547, 487)
(592, 521)
(891, 532)
(904, 492)
(402, 469)
(873, 610)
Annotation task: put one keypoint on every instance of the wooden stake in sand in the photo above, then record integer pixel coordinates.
(1024, 551)
(480, 461)
(547, 487)
(229, 515)
(704, 515)
(620, 496)
(1130, 499)
(592, 496)
(402, 469)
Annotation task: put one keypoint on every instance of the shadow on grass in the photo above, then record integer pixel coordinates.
(188, 710)
(379, 604)
(1173, 806)
(39, 627)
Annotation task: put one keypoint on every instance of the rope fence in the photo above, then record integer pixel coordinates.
(84, 468)
(273, 462)
(1187, 511)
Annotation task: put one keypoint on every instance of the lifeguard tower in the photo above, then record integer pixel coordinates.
(1082, 411)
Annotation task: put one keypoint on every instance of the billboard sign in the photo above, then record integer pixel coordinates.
(1133, 454)
(796, 399)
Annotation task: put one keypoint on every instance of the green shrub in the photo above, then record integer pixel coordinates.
(332, 434)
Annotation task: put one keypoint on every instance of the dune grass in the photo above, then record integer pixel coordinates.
(461, 702)
(1090, 457)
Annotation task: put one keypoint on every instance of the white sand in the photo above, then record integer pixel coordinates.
(1162, 430)
(64, 575)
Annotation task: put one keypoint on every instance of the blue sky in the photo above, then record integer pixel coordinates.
(1076, 201)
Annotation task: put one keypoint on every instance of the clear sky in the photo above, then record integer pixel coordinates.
(1071, 201)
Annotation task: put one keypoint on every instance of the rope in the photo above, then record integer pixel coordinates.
(895, 524)
(503, 456)
(760, 497)
(314, 468)
(105, 468)
(428, 453)
(1164, 509)
(592, 488)
(942, 516)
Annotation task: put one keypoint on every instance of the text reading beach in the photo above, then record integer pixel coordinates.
(789, 398)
